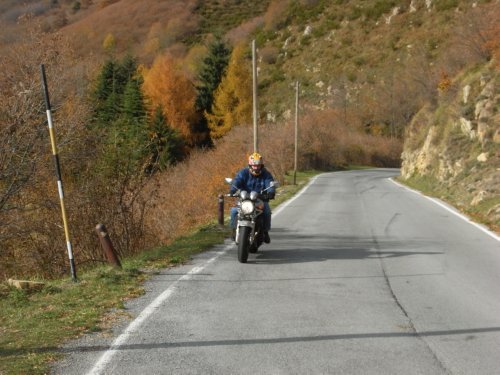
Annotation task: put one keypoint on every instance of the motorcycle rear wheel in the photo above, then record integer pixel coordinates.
(243, 244)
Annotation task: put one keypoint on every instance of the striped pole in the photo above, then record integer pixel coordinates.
(58, 173)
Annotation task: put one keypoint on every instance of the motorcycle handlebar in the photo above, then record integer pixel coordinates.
(264, 196)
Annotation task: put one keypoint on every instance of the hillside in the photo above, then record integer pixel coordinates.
(358, 53)
(452, 150)
(373, 75)
(361, 58)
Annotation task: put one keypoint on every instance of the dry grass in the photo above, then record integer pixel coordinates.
(151, 19)
(186, 196)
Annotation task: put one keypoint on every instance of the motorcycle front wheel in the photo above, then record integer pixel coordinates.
(243, 243)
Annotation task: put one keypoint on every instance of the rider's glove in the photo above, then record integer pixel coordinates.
(266, 196)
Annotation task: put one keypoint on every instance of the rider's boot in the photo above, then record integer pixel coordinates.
(267, 239)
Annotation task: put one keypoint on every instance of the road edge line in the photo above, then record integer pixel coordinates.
(282, 206)
(446, 207)
(106, 358)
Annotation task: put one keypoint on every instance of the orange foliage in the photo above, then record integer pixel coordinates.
(89, 32)
(166, 87)
(492, 36)
(444, 82)
(186, 196)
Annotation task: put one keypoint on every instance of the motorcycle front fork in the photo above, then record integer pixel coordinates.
(247, 224)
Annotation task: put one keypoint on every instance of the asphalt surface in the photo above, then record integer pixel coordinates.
(362, 276)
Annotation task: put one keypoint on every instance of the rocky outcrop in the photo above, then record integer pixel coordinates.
(457, 143)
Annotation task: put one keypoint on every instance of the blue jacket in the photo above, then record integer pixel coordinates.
(244, 180)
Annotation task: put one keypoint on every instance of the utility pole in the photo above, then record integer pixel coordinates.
(255, 111)
(296, 131)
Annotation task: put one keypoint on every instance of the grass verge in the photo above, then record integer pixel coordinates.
(33, 325)
(457, 198)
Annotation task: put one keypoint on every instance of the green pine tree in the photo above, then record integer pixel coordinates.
(109, 93)
(103, 91)
(126, 70)
(120, 117)
(133, 107)
(104, 82)
(210, 76)
(166, 146)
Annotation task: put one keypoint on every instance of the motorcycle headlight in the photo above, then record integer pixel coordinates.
(247, 207)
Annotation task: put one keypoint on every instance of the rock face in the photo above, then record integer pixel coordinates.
(25, 284)
(457, 143)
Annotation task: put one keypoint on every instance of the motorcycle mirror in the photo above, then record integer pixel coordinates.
(228, 180)
(274, 183)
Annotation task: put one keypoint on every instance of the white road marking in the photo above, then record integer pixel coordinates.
(440, 203)
(134, 326)
(285, 204)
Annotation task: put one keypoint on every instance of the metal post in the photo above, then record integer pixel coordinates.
(58, 173)
(296, 131)
(107, 246)
(255, 109)
(220, 210)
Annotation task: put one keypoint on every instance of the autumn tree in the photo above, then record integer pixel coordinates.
(30, 230)
(109, 44)
(477, 34)
(167, 87)
(233, 98)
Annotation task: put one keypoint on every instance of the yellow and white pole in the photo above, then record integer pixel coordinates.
(58, 173)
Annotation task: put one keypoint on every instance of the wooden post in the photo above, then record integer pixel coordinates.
(296, 132)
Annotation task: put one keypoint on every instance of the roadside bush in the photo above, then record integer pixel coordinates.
(379, 8)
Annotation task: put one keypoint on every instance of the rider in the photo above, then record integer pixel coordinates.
(254, 178)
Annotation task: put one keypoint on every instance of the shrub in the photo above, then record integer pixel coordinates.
(359, 61)
(269, 54)
(443, 5)
(352, 77)
(355, 14)
(331, 24)
(379, 8)
(306, 40)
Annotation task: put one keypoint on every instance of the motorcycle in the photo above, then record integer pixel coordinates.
(250, 221)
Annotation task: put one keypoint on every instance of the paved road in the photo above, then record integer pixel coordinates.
(362, 277)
